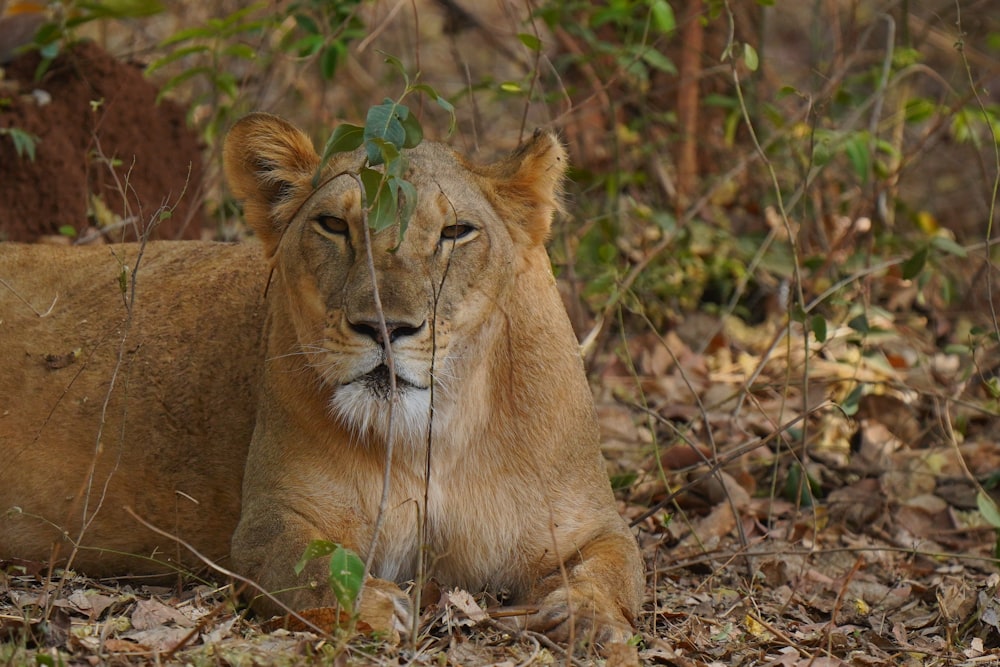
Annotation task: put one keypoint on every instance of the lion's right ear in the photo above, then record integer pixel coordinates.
(267, 161)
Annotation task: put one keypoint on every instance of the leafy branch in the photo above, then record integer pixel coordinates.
(390, 127)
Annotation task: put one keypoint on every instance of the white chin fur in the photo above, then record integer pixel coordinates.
(356, 406)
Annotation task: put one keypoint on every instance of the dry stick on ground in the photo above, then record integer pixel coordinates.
(228, 573)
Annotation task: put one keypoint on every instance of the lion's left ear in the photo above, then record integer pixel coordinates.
(527, 185)
(267, 159)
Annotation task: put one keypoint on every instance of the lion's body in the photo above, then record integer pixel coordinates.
(487, 408)
(177, 420)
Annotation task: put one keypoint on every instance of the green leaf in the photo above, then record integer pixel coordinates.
(121, 9)
(384, 121)
(856, 149)
(408, 202)
(818, 326)
(347, 574)
(949, 246)
(48, 33)
(853, 401)
(344, 139)
(988, 508)
(67, 230)
(241, 51)
(378, 197)
(329, 60)
(307, 46)
(442, 102)
(197, 32)
(187, 74)
(315, 549)
(414, 133)
(915, 264)
(307, 24)
(623, 481)
(657, 60)
(750, 57)
(663, 16)
(24, 142)
(174, 56)
(389, 154)
(860, 324)
(531, 41)
(397, 64)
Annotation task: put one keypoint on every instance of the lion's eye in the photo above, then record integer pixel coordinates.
(457, 231)
(331, 224)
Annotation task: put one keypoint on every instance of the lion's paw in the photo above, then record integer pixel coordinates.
(585, 616)
(385, 607)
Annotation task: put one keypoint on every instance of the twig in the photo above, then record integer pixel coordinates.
(27, 303)
(960, 45)
(227, 573)
(390, 443)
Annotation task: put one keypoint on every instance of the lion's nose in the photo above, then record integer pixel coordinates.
(396, 330)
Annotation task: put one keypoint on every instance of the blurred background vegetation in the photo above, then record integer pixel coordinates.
(737, 157)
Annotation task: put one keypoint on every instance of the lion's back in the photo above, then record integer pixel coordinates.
(158, 391)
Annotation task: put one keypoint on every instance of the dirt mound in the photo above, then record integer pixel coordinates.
(101, 136)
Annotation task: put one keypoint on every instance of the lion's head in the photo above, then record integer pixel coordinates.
(444, 285)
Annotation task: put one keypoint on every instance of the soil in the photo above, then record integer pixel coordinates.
(88, 105)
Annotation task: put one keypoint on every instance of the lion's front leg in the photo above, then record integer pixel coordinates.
(595, 597)
(267, 546)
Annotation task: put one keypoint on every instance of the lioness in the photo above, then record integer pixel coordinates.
(242, 400)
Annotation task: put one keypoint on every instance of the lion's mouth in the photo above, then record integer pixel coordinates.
(378, 382)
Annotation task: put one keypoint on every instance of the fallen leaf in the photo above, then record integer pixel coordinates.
(462, 601)
(152, 613)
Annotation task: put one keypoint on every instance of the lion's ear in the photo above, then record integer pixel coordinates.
(527, 185)
(266, 160)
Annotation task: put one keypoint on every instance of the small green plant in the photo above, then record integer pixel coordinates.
(323, 30)
(24, 142)
(212, 53)
(346, 572)
(209, 53)
(69, 15)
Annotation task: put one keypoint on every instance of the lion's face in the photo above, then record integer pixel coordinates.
(437, 287)
(443, 286)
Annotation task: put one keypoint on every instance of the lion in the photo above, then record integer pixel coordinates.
(243, 398)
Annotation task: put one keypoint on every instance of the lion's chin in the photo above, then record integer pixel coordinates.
(365, 406)
(378, 382)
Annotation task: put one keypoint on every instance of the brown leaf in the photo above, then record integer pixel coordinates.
(461, 601)
(152, 613)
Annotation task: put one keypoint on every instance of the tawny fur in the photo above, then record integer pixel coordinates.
(209, 393)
